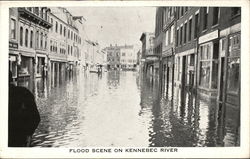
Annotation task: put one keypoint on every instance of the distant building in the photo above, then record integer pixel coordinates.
(128, 57)
(113, 57)
(147, 54)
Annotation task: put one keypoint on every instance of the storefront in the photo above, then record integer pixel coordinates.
(233, 71)
(208, 68)
(14, 59)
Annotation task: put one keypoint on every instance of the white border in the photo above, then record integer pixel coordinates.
(222, 152)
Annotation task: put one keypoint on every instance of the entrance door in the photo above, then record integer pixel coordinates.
(183, 76)
(222, 74)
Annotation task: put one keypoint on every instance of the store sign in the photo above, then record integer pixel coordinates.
(209, 36)
(13, 45)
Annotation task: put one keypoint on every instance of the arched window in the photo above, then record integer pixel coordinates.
(21, 36)
(31, 39)
(26, 37)
(37, 39)
(41, 41)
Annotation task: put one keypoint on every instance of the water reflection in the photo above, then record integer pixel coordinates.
(125, 109)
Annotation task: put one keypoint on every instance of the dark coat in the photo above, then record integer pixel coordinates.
(23, 116)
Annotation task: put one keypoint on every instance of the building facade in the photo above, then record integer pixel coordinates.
(28, 43)
(147, 54)
(113, 57)
(128, 57)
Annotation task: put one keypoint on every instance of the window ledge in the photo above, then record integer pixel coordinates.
(215, 25)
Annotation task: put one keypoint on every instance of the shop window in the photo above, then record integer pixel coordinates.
(192, 58)
(31, 39)
(214, 74)
(21, 36)
(26, 37)
(204, 74)
(216, 50)
(13, 29)
(233, 82)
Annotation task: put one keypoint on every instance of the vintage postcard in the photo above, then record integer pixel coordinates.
(124, 79)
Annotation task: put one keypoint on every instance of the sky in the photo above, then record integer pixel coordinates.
(116, 25)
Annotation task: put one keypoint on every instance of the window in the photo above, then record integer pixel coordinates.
(71, 35)
(68, 33)
(190, 29)
(215, 15)
(68, 49)
(71, 51)
(181, 31)
(56, 27)
(192, 58)
(177, 37)
(167, 37)
(185, 33)
(37, 39)
(51, 46)
(64, 31)
(233, 80)
(51, 20)
(21, 36)
(182, 11)
(196, 25)
(26, 37)
(205, 17)
(60, 29)
(209, 65)
(45, 44)
(31, 39)
(235, 11)
(172, 34)
(36, 11)
(13, 29)
(41, 41)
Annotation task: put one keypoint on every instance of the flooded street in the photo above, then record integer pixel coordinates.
(119, 109)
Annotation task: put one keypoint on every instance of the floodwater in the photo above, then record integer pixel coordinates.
(123, 109)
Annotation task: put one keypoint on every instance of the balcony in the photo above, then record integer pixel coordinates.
(33, 17)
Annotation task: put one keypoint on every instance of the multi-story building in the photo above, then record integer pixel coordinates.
(113, 57)
(29, 48)
(14, 56)
(147, 54)
(128, 57)
(187, 28)
(168, 49)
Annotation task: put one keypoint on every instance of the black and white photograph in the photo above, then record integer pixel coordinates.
(134, 77)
